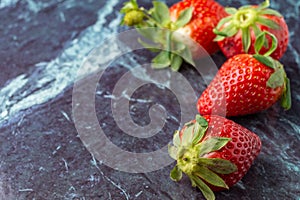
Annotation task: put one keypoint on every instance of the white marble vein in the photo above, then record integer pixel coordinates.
(49, 79)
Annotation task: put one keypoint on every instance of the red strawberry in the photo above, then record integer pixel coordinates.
(237, 32)
(245, 84)
(178, 33)
(206, 15)
(214, 152)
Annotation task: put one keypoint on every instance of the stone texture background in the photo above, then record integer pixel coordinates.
(43, 43)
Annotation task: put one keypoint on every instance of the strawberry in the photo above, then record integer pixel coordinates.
(246, 84)
(214, 152)
(237, 32)
(176, 32)
(206, 15)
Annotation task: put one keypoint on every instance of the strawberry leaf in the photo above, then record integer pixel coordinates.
(199, 132)
(172, 150)
(151, 47)
(187, 136)
(176, 174)
(187, 56)
(220, 166)
(270, 12)
(274, 44)
(128, 6)
(277, 79)
(176, 62)
(161, 12)
(245, 7)
(259, 42)
(210, 177)
(256, 30)
(267, 22)
(212, 144)
(177, 46)
(185, 17)
(168, 36)
(181, 152)
(228, 31)
(200, 128)
(231, 10)
(223, 21)
(176, 139)
(219, 38)
(201, 120)
(231, 31)
(206, 191)
(162, 60)
(268, 61)
(246, 39)
(220, 33)
(286, 99)
(152, 34)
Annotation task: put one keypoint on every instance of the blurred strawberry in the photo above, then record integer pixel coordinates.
(206, 15)
(177, 33)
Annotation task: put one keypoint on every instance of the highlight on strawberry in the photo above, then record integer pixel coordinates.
(214, 152)
(247, 84)
(178, 33)
(238, 31)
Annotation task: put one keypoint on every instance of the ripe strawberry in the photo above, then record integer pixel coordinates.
(206, 15)
(237, 32)
(245, 84)
(214, 152)
(178, 33)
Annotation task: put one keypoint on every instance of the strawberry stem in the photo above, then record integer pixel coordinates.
(189, 161)
(245, 18)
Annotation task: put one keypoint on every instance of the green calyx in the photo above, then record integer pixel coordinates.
(245, 19)
(278, 78)
(155, 25)
(190, 150)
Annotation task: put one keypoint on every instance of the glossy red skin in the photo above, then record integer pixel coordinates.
(241, 150)
(233, 45)
(206, 15)
(239, 88)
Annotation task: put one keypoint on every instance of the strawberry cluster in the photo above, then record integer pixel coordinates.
(213, 151)
(253, 38)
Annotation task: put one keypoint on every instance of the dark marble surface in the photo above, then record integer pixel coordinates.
(44, 43)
